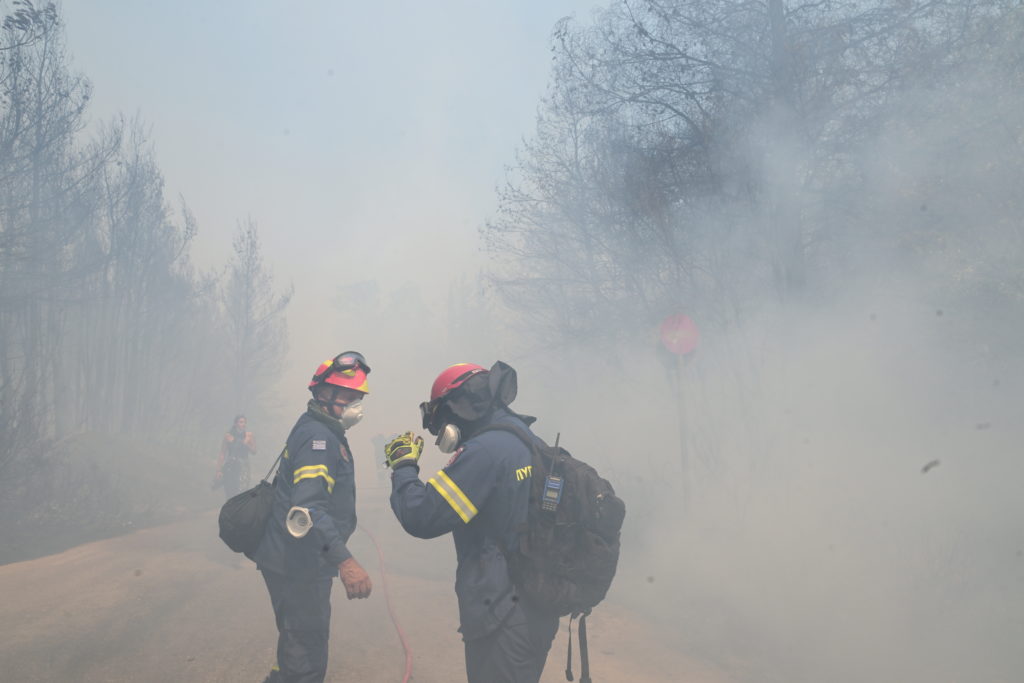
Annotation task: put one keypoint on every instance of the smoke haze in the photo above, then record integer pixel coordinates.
(844, 503)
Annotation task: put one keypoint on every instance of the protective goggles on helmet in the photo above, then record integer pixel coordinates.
(348, 360)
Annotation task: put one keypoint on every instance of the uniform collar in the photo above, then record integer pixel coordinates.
(315, 411)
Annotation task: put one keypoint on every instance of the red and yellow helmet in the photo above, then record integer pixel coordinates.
(348, 369)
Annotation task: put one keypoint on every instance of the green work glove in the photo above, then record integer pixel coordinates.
(403, 450)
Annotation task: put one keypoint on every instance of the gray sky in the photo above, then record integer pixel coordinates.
(360, 136)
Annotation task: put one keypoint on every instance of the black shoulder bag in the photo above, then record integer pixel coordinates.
(243, 518)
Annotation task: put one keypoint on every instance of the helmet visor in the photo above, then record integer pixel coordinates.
(428, 411)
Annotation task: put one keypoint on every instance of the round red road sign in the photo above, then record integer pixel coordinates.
(679, 334)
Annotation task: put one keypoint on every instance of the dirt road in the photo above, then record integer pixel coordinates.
(173, 604)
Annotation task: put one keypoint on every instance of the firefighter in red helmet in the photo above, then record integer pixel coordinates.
(481, 497)
(314, 513)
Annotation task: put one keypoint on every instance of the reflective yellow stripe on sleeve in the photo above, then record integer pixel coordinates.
(451, 492)
(312, 472)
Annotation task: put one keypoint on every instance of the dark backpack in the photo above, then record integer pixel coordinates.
(566, 557)
(243, 518)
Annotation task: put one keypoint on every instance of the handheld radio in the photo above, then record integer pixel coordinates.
(552, 487)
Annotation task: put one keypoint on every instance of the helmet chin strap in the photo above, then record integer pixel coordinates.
(327, 404)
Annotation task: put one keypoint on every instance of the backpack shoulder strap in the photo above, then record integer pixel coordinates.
(526, 437)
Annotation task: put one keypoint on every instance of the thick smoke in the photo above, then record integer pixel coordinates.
(850, 508)
(831, 492)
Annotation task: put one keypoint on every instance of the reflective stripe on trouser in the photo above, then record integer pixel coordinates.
(515, 652)
(302, 610)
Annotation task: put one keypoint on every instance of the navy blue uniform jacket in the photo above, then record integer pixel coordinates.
(480, 496)
(316, 472)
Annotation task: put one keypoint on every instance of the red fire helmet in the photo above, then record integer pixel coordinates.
(452, 377)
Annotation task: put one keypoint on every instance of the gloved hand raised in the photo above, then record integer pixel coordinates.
(403, 450)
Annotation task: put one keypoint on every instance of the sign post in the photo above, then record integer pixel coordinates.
(679, 338)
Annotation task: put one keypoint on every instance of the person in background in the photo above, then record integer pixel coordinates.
(312, 518)
(233, 463)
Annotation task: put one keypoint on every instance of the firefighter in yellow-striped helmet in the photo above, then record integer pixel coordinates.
(312, 516)
(339, 384)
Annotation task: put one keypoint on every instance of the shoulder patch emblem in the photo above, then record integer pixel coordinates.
(455, 455)
(319, 445)
(344, 453)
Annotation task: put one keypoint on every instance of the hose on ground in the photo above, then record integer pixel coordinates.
(391, 611)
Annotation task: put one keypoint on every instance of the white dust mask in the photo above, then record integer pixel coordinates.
(352, 414)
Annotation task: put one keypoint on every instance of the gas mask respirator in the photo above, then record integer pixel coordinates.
(448, 438)
(447, 434)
